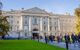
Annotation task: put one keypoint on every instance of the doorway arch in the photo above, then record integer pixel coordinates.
(35, 33)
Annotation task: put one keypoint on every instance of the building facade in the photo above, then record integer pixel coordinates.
(36, 21)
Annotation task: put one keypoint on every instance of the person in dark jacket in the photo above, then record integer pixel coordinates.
(58, 38)
(51, 38)
(73, 38)
(79, 39)
(46, 39)
(67, 40)
(76, 38)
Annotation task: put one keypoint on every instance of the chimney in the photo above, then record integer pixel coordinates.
(12, 10)
(22, 8)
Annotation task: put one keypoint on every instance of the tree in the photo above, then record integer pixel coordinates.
(77, 12)
(4, 26)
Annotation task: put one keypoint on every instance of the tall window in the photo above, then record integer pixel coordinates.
(55, 23)
(11, 28)
(50, 28)
(35, 21)
(25, 21)
(26, 17)
(11, 22)
(55, 28)
(44, 27)
(17, 28)
(17, 22)
(44, 22)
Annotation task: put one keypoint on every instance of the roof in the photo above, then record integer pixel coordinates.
(35, 10)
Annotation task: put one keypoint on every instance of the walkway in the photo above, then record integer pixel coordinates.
(62, 44)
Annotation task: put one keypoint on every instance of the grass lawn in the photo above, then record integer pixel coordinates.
(26, 45)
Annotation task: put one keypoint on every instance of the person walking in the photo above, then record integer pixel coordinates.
(61, 37)
(58, 38)
(73, 38)
(79, 39)
(46, 39)
(67, 40)
(51, 38)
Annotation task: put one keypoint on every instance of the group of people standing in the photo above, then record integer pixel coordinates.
(74, 38)
(52, 38)
(68, 39)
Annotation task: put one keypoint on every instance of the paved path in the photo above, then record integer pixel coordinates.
(62, 44)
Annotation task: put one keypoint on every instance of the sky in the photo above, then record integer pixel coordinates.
(55, 6)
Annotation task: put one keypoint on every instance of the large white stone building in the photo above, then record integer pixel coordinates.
(35, 21)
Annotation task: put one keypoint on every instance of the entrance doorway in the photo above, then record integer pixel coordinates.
(35, 34)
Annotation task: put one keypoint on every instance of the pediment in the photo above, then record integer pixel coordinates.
(35, 10)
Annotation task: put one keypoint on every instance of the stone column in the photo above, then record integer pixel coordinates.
(21, 26)
(21, 23)
(48, 27)
(30, 26)
(41, 33)
(58, 26)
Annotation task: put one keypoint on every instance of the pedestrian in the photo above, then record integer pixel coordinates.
(76, 40)
(67, 40)
(46, 39)
(51, 38)
(79, 39)
(41, 37)
(73, 38)
(58, 38)
(61, 37)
